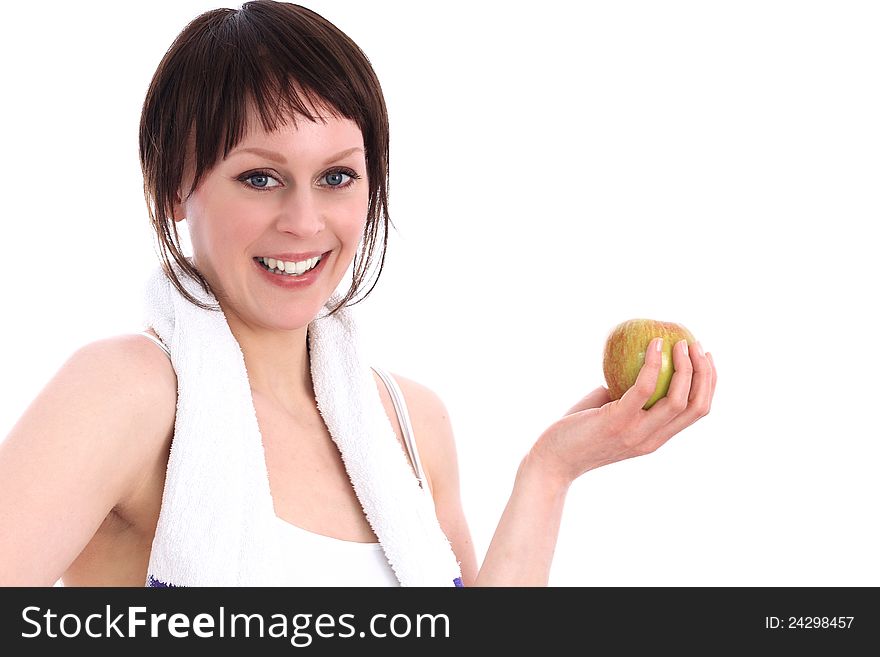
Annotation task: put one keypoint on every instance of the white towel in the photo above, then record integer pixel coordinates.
(216, 522)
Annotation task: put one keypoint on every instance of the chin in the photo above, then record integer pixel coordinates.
(296, 318)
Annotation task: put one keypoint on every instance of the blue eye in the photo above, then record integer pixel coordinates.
(335, 179)
(262, 180)
(339, 178)
(259, 180)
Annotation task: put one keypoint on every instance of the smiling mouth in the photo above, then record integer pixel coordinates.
(286, 268)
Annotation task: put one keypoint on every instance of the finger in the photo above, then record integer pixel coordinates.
(599, 397)
(676, 400)
(700, 400)
(714, 377)
(646, 382)
(701, 390)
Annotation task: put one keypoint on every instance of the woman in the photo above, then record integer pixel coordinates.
(145, 460)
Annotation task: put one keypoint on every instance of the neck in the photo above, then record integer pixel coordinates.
(277, 362)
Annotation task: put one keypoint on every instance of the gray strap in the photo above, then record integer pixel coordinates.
(405, 425)
(157, 341)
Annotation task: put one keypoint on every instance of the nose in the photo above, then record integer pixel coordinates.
(300, 214)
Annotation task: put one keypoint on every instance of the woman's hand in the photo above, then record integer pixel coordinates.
(598, 431)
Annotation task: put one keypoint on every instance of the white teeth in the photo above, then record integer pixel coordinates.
(290, 268)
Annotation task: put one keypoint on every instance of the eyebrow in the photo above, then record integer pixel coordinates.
(280, 159)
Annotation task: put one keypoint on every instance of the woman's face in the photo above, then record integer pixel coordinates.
(276, 224)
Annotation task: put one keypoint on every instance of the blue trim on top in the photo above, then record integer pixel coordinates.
(156, 584)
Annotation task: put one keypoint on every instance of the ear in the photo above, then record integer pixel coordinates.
(178, 210)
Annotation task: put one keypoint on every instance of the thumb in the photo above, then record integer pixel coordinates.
(599, 397)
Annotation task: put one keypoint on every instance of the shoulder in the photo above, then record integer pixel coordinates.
(123, 390)
(87, 444)
(138, 372)
(125, 350)
(436, 444)
(423, 403)
(433, 432)
(426, 409)
(117, 399)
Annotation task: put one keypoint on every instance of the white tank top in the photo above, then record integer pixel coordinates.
(318, 560)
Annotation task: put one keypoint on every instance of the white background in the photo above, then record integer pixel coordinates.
(556, 168)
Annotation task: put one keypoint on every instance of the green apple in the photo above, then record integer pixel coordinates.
(625, 351)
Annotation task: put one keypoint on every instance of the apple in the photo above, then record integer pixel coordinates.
(625, 351)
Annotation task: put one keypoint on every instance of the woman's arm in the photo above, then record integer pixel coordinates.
(595, 432)
(79, 450)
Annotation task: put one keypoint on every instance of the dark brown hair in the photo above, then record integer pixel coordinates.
(281, 59)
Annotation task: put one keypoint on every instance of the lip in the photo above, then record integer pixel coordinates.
(292, 282)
